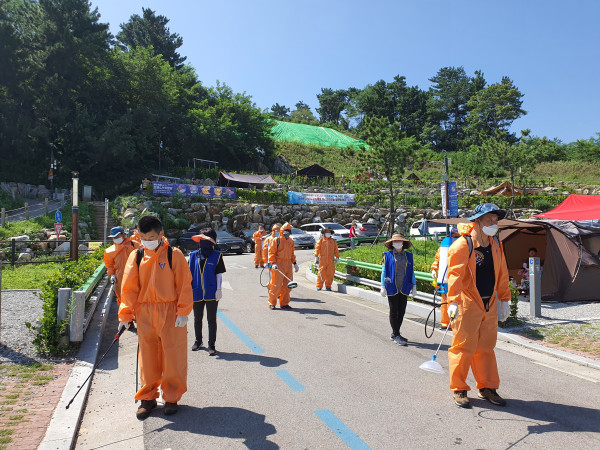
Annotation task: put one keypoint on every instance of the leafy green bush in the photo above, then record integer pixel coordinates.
(72, 275)
(254, 196)
(8, 202)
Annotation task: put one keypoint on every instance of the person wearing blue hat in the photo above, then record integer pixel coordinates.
(116, 256)
(478, 297)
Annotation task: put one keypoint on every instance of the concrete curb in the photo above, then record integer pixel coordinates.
(420, 310)
(63, 426)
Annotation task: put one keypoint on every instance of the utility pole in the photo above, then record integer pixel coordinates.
(446, 179)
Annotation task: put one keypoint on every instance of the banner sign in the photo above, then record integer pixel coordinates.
(94, 245)
(452, 199)
(191, 190)
(320, 199)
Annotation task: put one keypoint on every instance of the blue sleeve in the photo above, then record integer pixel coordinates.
(383, 271)
(414, 278)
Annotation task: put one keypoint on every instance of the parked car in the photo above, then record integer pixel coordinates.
(246, 235)
(302, 239)
(365, 229)
(314, 229)
(225, 241)
(439, 228)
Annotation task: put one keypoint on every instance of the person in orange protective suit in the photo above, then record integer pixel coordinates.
(115, 258)
(266, 242)
(326, 255)
(157, 290)
(478, 296)
(445, 321)
(281, 259)
(257, 236)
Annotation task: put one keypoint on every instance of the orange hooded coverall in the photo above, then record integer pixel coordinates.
(444, 320)
(115, 258)
(258, 258)
(281, 252)
(156, 294)
(326, 250)
(474, 329)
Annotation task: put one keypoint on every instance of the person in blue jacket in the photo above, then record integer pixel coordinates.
(207, 267)
(397, 282)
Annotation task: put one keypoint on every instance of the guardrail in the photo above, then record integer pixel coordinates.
(30, 211)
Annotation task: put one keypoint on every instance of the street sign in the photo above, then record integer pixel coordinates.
(58, 227)
(50, 174)
(58, 216)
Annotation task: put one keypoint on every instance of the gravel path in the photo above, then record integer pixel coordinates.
(557, 312)
(19, 307)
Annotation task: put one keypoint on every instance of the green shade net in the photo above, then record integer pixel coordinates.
(311, 135)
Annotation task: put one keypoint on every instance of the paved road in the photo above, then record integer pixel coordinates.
(326, 375)
(36, 208)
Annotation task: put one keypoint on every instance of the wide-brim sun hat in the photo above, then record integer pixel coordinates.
(396, 237)
(203, 237)
(115, 231)
(485, 208)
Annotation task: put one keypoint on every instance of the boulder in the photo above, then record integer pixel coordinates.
(63, 249)
(199, 207)
(174, 211)
(26, 256)
(213, 210)
(20, 241)
(208, 182)
(130, 213)
(82, 248)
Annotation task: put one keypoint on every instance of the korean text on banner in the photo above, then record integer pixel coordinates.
(191, 190)
(452, 199)
(320, 199)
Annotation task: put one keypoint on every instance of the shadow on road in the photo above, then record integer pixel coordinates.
(266, 361)
(317, 311)
(227, 422)
(554, 416)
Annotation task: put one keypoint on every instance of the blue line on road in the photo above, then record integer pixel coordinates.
(338, 427)
(239, 333)
(290, 380)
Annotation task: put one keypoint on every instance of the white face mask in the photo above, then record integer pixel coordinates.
(398, 245)
(118, 240)
(150, 245)
(327, 235)
(491, 230)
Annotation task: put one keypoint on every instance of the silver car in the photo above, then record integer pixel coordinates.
(302, 239)
(364, 229)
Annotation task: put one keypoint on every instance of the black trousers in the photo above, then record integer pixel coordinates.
(397, 309)
(211, 316)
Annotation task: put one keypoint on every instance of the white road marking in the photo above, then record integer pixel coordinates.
(226, 285)
(236, 266)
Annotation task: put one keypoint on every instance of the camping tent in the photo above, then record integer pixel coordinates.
(569, 251)
(244, 181)
(315, 171)
(505, 188)
(575, 207)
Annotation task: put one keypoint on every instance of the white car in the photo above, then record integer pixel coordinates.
(439, 228)
(314, 229)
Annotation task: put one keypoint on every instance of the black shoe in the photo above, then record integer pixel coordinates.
(461, 399)
(401, 340)
(286, 307)
(328, 289)
(271, 307)
(170, 408)
(197, 346)
(491, 396)
(145, 408)
(212, 351)
(256, 267)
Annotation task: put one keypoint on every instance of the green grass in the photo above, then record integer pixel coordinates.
(29, 276)
(5, 432)
(580, 337)
(574, 171)
(8, 203)
(341, 162)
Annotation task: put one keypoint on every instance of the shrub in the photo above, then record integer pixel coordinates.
(254, 196)
(72, 275)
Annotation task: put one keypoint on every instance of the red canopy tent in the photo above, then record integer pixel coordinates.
(575, 207)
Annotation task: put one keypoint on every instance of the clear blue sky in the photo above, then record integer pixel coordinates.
(283, 51)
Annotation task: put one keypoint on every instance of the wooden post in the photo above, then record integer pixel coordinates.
(3, 217)
(26, 211)
(46, 204)
(1, 297)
